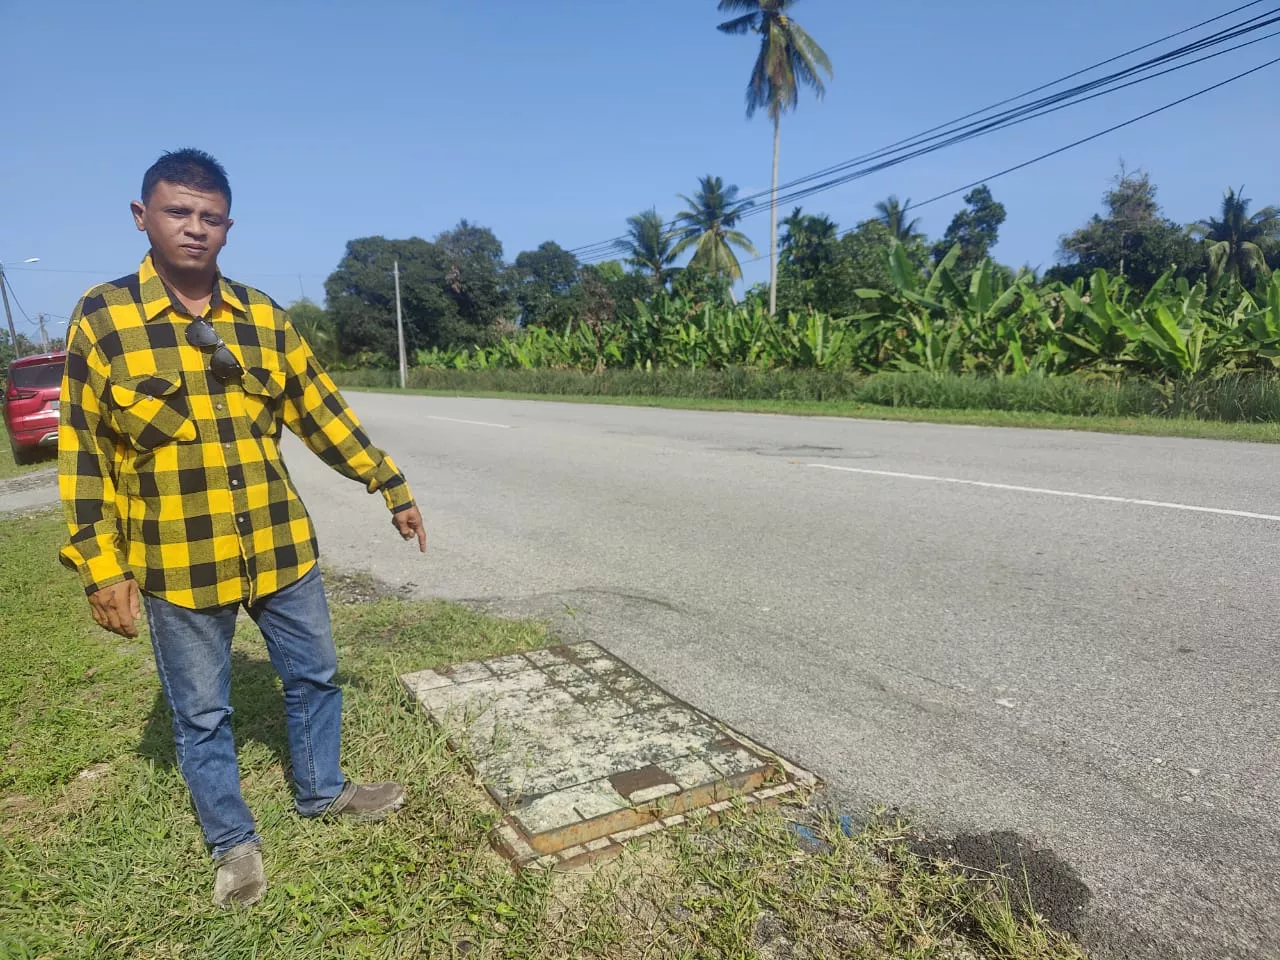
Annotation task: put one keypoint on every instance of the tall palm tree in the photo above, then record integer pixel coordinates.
(1235, 241)
(708, 226)
(649, 246)
(788, 58)
(894, 216)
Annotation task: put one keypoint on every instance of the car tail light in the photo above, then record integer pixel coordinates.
(16, 394)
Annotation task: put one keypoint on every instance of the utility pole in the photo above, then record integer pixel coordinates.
(399, 324)
(4, 292)
(44, 337)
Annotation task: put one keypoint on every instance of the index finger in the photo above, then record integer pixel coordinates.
(422, 537)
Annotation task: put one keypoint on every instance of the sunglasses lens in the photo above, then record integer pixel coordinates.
(201, 334)
(224, 365)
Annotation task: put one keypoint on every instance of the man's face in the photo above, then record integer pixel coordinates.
(187, 228)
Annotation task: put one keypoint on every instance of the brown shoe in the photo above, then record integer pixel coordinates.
(239, 880)
(366, 802)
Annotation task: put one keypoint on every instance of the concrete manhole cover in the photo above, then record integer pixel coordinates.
(582, 754)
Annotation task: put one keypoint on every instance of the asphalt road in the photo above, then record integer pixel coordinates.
(1095, 674)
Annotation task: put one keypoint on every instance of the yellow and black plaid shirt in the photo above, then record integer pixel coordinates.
(172, 477)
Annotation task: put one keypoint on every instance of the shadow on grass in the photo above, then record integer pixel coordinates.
(42, 457)
(30, 461)
(258, 705)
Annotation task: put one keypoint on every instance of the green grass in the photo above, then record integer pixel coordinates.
(102, 857)
(1243, 407)
(1141, 426)
(1247, 398)
(10, 469)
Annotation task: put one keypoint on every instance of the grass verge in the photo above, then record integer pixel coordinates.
(10, 469)
(1232, 398)
(1136, 426)
(102, 856)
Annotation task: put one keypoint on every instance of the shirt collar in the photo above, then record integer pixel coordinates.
(155, 295)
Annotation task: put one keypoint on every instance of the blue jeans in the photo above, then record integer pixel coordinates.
(193, 658)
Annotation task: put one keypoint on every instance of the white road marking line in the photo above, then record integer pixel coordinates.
(1051, 493)
(474, 423)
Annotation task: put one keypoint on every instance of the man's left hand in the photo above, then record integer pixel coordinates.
(409, 524)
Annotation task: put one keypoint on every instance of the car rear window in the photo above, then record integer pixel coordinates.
(39, 376)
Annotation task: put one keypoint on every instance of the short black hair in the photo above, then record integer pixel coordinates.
(188, 167)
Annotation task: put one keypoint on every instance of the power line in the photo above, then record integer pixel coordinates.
(1083, 140)
(1054, 83)
(1214, 39)
(957, 133)
(1031, 112)
(960, 138)
(601, 248)
(1022, 114)
(13, 293)
(1100, 133)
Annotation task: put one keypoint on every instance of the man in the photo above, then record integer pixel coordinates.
(177, 384)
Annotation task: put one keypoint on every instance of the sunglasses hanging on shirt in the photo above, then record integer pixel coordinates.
(223, 365)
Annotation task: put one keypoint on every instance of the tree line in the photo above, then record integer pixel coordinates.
(26, 347)
(459, 291)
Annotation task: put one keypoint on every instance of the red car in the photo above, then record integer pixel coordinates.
(31, 404)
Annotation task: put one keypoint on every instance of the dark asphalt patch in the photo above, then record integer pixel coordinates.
(1039, 880)
(361, 588)
(813, 452)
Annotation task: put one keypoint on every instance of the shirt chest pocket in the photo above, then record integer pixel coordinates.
(263, 398)
(152, 410)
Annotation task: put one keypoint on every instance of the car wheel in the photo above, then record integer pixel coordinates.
(21, 455)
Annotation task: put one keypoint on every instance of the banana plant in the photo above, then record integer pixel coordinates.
(1260, 323)
(815, 340)
(993, 311)
(907, 278)
(1094, 322)
(1179, 336)
(685, 345)
(932, 344)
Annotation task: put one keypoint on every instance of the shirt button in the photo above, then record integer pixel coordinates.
(218, 406)
(243, 518)
(235, 483)
(227, 445)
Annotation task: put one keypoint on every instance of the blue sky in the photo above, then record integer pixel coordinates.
(557, 120)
